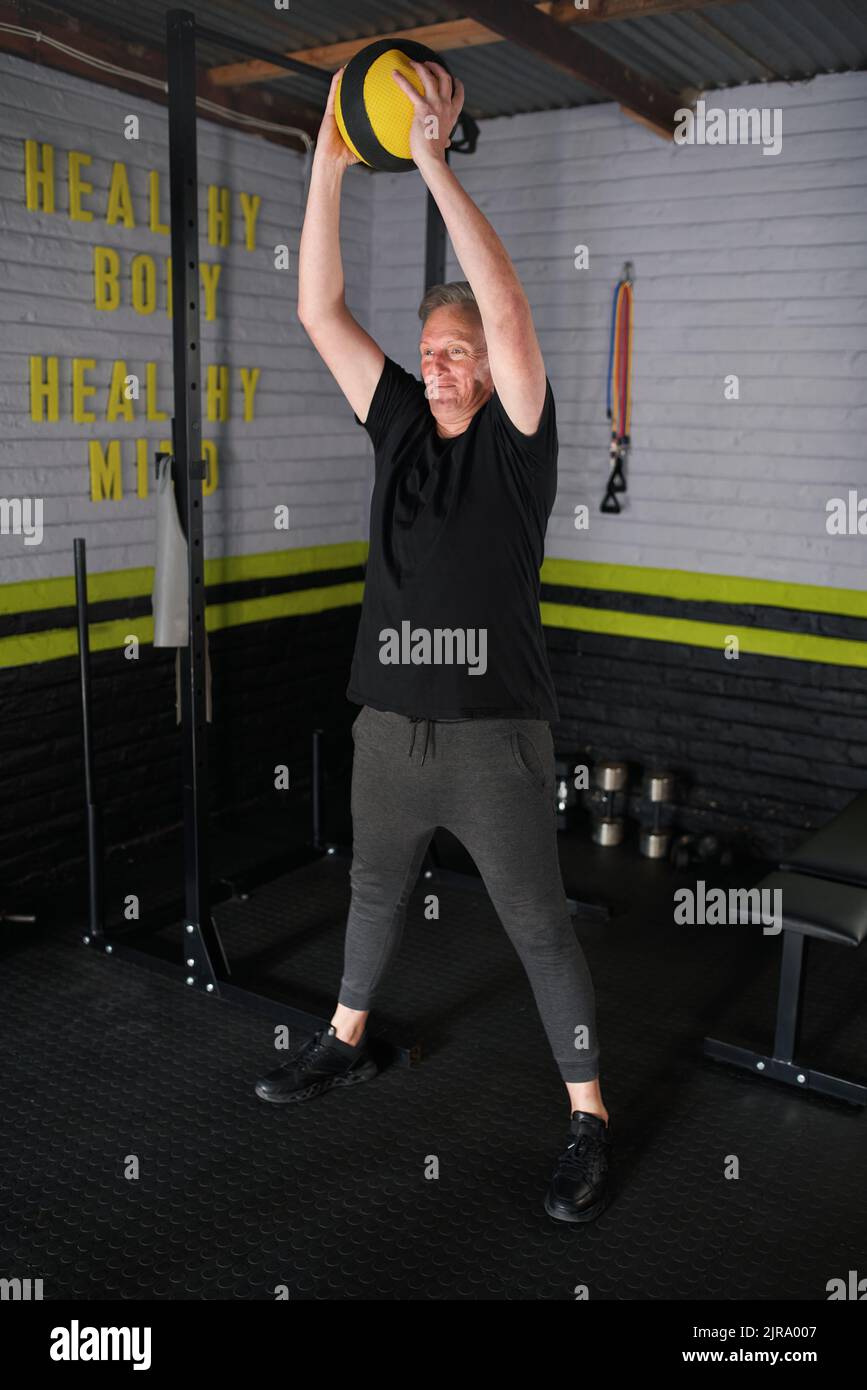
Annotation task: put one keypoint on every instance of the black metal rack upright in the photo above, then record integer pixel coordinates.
(205, 966)
(203, 944)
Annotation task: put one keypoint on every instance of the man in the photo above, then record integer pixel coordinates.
(450, 666)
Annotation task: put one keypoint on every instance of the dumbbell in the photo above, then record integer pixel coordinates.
(606, 801)
(656, 813)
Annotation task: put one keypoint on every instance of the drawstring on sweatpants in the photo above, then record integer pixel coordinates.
(428, 723)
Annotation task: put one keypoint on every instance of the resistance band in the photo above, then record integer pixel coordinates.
(619, 389)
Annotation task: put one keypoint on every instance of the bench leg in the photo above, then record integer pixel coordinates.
(790, 995)
(781, 1066)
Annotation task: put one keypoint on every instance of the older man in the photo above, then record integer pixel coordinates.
(450, 665)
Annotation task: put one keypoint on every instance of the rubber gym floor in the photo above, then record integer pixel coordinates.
(236, 1199)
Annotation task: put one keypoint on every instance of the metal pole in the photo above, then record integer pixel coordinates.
(95, 915)
(264, 55)
(317, 788)
(189, 470)
(204, 960)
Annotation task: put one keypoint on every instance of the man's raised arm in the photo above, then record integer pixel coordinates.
(351, 355)
(514, 355)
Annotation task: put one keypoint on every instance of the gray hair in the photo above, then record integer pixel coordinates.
(455, 292)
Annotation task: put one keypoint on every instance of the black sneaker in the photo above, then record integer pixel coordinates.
(322, 1062)
(579, 1187)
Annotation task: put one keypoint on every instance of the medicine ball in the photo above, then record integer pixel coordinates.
(373, 115)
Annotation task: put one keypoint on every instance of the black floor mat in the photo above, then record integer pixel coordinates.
(139, 1164)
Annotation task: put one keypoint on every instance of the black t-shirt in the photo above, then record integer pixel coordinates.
(450, 625)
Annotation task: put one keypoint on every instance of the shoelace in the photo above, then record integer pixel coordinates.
(310, 1052)
(583, 1156)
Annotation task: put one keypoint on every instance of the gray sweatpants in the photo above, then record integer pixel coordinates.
(491, 783)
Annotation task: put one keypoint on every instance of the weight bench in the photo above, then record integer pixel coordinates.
(824, 894)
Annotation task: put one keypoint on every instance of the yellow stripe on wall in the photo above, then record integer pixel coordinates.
(260, 610)
(33, 647)
(29, 596)
(34, 595)
(796, 646)
(62, 642)
(709, 588)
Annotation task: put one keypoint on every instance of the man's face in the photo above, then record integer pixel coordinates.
(454, 363)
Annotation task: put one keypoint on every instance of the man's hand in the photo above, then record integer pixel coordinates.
(330, 144)
(436, 112)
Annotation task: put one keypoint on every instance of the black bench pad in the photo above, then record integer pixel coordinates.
(839, 849)
(818, 907)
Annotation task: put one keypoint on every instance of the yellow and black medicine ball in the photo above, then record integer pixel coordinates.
(373, 115)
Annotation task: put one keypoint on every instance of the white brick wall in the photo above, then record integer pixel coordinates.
(745, 263)
(302, 449)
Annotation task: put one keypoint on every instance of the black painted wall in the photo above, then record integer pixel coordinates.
(272, 684)
(764, 749)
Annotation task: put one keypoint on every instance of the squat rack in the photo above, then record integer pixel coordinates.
(205, 966)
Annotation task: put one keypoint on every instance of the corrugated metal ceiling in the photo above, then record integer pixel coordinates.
(718, 46)
(723, 46)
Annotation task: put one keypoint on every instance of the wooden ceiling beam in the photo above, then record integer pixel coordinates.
(571, 53)
(602, 11)
(442, 38)
(452, 34)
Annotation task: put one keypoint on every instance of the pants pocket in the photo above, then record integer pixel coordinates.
(529, 759)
